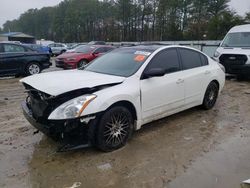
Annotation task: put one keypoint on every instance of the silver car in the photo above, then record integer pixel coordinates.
(58, 48)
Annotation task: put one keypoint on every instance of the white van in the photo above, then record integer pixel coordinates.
(234, 51)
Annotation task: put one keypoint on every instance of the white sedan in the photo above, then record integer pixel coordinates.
(104, 102)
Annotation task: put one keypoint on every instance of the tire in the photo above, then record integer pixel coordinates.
(63, 51)
(33, 68)
(115, 128)
(82, 63)
(211, 96)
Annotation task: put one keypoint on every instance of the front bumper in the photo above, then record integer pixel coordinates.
(59, 64)
(237, 69)
(70, 132)
(66, 65)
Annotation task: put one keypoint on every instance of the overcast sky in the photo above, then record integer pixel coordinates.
(11, 9)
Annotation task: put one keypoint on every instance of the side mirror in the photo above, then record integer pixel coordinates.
(156, 72)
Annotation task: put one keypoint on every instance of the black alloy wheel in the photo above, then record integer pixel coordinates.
(115, 128)
(211, 96)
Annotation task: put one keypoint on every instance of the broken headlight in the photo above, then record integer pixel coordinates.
(72, 108)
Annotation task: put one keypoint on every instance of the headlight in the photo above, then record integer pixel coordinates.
(73, 108)
(216, 54)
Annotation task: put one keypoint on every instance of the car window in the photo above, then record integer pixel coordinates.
(59, 45)
(107, 49)
(167, 60)
(13, 48)
(190, 58)
(1, 48)
(120, 62)
(100, 50)
(51, 45)
(204, 60)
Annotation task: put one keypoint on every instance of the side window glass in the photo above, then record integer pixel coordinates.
(13, 48)
(1, 48)
(190, 58)
(167, 60)
(100, 50)
(204, 60)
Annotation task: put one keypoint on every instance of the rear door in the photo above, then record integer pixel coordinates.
(162, 95)
(196, 75)
(12, 58)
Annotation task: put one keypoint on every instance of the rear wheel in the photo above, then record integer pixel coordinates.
(115, 128)
(33, 68)
(211, 95)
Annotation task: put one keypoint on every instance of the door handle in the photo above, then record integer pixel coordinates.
(180, 81)
(207, 72)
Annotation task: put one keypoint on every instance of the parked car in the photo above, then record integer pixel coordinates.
(39, 48)
(73, 48)
(81, 56)
(58, 48)
(97, 43)
(119, 92)
(234, 51)
(17, 59)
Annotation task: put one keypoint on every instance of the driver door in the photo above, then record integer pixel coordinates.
(163, 95)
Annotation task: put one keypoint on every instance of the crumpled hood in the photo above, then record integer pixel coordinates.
(59, 82)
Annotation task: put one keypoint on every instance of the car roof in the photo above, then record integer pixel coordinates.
(23, 45)
(240, 28)
(150, 48)
(99, 45)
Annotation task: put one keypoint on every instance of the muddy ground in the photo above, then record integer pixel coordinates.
(195, 148)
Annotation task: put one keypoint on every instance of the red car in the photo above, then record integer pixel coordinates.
(81, 56)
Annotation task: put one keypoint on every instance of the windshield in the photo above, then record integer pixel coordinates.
(241, 39)
(121, 62)
(84, 49)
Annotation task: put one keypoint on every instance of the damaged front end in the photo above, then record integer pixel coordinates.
(73, 133)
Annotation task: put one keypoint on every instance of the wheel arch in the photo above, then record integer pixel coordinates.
(126, 104)
(83, 59)
(216, 82)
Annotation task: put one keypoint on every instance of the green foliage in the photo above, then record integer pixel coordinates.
(128, 20)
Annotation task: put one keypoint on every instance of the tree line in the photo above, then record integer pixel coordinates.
(129, 20)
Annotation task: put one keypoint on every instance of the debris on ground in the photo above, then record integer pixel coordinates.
(104, 167)
(75, 185)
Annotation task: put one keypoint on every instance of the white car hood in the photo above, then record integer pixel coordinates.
(59, 82)
(228, 50)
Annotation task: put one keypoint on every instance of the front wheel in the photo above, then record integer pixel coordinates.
(33, 68)
(115, 128)
(211, 96)
(82, 63)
